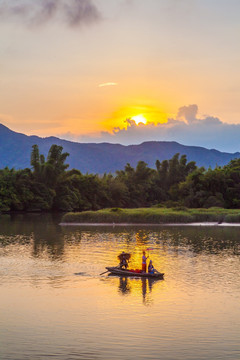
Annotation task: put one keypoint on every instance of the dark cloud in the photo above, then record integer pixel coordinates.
(78, 11)
(186, 129)
(37, 12)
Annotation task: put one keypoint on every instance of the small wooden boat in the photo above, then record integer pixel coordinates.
(135, 273)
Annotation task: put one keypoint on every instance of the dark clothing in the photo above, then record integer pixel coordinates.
(123, 263)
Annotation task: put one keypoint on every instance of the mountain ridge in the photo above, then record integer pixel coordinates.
(15, 152)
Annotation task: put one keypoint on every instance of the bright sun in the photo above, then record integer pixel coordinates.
(139, 119)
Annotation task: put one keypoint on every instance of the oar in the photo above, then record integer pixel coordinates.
(116, 267)
(104, 272)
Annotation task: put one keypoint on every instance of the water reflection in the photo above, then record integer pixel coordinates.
(49, 239)
(197, 239)
(44, 232)
(141, 287)
(192, 314)
(124, 285)
(91, 249)
(40, 230)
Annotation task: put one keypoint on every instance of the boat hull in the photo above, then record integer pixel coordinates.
(121, 272)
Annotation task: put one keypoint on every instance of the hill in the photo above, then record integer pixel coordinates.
(15, 150)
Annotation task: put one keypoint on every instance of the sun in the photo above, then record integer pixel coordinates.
(139, 119)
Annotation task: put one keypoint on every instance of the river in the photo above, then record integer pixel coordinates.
(54, 303)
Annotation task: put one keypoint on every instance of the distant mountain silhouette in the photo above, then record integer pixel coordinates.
(15, 152)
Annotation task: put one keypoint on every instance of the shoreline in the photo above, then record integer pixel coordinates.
(154, 217)
(223, 224)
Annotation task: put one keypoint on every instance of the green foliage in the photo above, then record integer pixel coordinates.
(232, 218)
(154, 216)
(115, 210)
(175, 183)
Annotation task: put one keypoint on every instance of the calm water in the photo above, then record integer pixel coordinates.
(55, 305)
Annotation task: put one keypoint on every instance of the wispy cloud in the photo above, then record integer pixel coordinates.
(107, 84)
(38, 12)
(187, 128)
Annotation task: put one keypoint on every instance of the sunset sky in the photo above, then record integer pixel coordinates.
(122, 71)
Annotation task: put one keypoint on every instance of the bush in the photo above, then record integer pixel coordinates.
(232, 218)
(115, 210)
(213, 201)
(181, 208)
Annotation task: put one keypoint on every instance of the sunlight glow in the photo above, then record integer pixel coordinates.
(139, 119)
(145, 114)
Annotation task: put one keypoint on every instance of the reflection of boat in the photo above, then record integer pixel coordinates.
(138, 273)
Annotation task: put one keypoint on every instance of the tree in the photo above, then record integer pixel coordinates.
(54, 167)
(137, 182)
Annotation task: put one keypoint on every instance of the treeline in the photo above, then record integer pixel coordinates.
(49, 186)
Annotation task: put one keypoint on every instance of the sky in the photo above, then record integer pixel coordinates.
(122, 71)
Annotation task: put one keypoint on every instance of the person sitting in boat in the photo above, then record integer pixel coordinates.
(144, 262)
(123, 257)
(151, 269)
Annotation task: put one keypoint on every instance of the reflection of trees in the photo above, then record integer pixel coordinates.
(48, 238)
(198, 239)
(40, 229)
(202, 239)
(43, 231)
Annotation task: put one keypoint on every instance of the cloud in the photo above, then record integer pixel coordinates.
(188, 113)
(38, 12)
(186, 128)
(107, 84)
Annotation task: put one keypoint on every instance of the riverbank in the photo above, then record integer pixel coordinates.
(153, 216)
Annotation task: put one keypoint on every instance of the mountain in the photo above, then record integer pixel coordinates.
(15, 151)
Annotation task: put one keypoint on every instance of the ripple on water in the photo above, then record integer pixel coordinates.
(56, 304)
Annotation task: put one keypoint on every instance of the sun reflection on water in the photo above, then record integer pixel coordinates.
(138, 287)
(195, 306)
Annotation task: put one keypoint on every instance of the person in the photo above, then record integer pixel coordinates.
(144, 262)
(123, 260)
(151, 269)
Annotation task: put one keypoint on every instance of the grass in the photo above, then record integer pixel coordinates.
(154, 216)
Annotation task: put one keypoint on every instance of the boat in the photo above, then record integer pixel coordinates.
(136, 273)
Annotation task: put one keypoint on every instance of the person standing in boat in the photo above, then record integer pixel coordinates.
(144, 262)
(123, 257)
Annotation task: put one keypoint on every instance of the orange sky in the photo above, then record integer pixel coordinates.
(86, 73)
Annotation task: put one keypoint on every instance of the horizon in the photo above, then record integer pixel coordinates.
(113, 143)
(124, 71)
